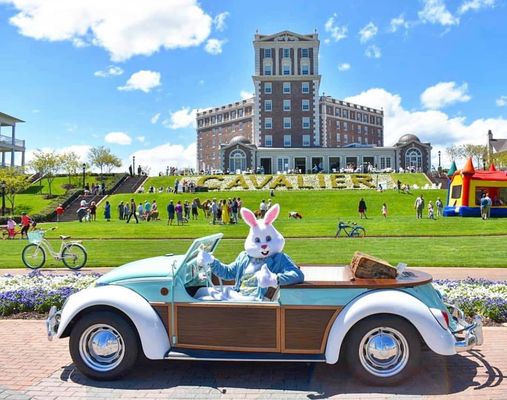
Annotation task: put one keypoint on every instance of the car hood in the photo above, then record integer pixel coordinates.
(154, 267)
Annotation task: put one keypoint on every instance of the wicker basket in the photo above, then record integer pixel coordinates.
(35, 237)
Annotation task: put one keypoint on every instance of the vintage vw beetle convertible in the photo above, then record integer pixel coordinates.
(147, 307)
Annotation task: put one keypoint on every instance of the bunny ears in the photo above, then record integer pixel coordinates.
(249, 216)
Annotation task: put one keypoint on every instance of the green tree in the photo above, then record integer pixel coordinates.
(15, 181)
(454, 152)
(102, 158)
(47, 164)
(70, 164)
(477, 152)
(500, 160)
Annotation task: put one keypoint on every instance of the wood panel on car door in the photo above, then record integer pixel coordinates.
(226, 326)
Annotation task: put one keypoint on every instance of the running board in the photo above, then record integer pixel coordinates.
(213, 355)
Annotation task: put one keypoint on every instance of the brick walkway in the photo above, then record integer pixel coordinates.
(32, 367)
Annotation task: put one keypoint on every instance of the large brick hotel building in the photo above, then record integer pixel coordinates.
(289, 126)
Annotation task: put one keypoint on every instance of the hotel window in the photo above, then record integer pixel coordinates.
(233, 114)
(385, 162)
(286, 105)
(286, 88)
(359, 129)
(345, 113)
(267, 53)
(305, 69)
(305, 105)
(268, 105)
(372, 119)
(306, 122)
(286, 69)
(213, 120)
(287, 124)
(306, 140)
(346, 125)
(286, 53)
(338, 112)
(268, 140)
(337, 124)
(365, 130)
(219, 118)
(379, 122)
(359, 116)
(283, 164)
(365, 118)
(240, 113)
(268, 88)
(268, 123)
(338, 138)
(305, 87)
(287, 140)
(305, 52)
(267, 69)
(345, 138)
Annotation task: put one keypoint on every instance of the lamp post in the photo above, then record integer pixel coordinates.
(133, 165)
(84, 174)
(439, 164)
(484, 164)
(3, 185)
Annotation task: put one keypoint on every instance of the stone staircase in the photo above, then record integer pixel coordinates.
(130, 184)
(70, 213)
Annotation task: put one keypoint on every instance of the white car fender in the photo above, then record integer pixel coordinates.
(396, 302)
(151, 330)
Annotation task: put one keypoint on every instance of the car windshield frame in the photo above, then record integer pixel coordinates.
(207, 243)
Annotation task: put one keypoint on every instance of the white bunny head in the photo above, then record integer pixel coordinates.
(263, 240)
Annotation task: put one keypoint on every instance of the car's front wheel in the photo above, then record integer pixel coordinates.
(383, 350)
(103, 345)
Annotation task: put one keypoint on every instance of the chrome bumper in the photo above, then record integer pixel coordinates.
(52, 322)
(468, 335)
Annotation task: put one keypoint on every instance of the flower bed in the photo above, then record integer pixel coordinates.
(37, 292)
(476, 296)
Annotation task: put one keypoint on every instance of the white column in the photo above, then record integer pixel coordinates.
(13, 143)
(23, 158)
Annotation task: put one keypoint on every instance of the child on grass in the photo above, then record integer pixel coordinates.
(384, 210)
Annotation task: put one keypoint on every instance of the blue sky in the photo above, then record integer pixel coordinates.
(130, 74)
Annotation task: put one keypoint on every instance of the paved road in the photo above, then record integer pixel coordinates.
(32, 367)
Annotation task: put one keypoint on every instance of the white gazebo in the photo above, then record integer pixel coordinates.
(9, 143)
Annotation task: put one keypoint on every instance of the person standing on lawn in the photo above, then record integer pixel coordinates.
(419, 206)
(362, 208)
(107, 212)
(170, 212)
(93, 211)
(384, 210)
(121, 207)
(440, 207)
(25, 224)
(11, 228)
(59, 211)
(132, 212)
(178, 209)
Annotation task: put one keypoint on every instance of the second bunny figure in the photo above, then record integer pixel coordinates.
(260, 266)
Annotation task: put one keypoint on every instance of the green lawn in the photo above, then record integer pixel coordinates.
(451, 242)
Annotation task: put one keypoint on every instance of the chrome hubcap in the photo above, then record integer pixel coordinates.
(101, 347)
(384, 352)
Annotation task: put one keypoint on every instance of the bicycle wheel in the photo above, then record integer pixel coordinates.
(358, 231)
(33, 256)
(74, 256)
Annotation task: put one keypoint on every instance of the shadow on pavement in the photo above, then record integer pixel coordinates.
(437, 375)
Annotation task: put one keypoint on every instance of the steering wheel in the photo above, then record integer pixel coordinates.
(205, 273)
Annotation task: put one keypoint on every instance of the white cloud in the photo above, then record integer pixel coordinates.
(214, 46)
(142, 80)
(368, 32)
(219, 21)
(155, 118)
(124, 28)
(120, 138)
(80, 150)
(245, 94)
(398, 22)
(435, 12)
(141, 139)
(475, 5)
(501, 101)
(443, 94)
(112, 70)
(432, 126)
(183, 118)
(373, 51)
(344, 67)
(337, 32)
(160, 157)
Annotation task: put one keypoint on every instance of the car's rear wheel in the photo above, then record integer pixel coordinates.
(383, 350)
(103, 345)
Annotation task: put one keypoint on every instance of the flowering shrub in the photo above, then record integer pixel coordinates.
(38, 292)
(476, 296)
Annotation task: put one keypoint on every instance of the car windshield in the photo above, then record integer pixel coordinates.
(207, 243)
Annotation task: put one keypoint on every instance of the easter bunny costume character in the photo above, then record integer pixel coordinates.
(260, 266)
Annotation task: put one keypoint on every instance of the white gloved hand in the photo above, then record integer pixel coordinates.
(204, 259)
(265, 278)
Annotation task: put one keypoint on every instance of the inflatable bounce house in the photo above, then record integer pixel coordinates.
(466, 189)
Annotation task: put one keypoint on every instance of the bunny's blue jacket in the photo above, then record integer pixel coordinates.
(280, 264)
